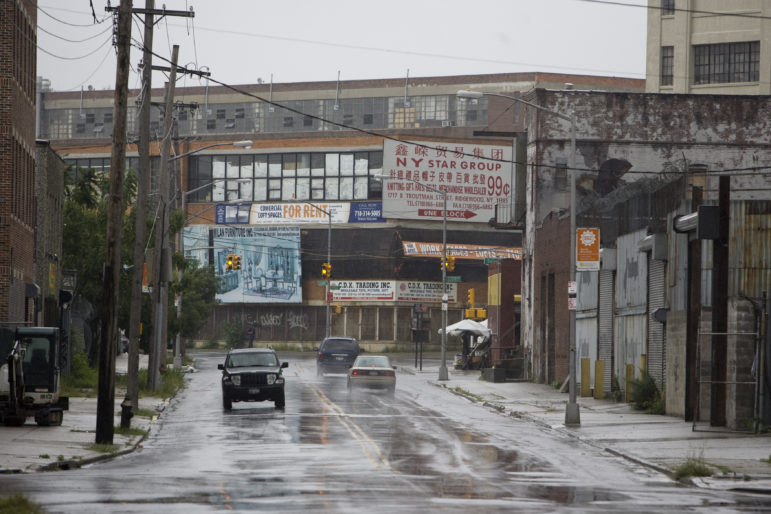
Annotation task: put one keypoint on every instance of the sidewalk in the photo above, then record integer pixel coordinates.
(31, 448)
(740, 461)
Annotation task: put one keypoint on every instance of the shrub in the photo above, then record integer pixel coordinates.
(693, 467)
(18, 504)
(235, 334)
(645, 395)
(172, 380)
(81, 375)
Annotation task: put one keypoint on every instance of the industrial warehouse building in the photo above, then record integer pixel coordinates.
(341, 162)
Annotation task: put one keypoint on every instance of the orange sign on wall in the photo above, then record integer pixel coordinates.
(587, 249)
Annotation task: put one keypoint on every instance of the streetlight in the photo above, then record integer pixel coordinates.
(443, 365)
(167, 258)
(572, 414)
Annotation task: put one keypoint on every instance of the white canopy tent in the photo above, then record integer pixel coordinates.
(467, 325)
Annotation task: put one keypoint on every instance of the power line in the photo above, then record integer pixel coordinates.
(74, 40)
(68, 23)
(74, 58)
(107, 54)
(748, 170)
(678, 9)
(403, 52)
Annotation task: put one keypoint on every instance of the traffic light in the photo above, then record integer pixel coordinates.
(229, 262)
(236, 262)
(326, 270)
(442, 264)
(450, 263)
(470, 297)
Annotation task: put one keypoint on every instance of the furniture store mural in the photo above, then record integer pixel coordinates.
(270, 268)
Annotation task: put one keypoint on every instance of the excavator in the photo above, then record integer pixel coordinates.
(29, 377)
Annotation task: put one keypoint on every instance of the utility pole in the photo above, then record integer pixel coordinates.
(162, 258)
(143, 189)
(105, 410)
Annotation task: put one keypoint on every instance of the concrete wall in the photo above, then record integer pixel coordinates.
(740, 406)
(676, 377)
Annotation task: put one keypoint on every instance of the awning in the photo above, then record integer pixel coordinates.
(461, 251)
(467, 325)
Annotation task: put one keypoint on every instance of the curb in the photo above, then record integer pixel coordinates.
(500, 408)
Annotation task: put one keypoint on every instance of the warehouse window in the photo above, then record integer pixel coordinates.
(667, 7)
(667, 65)
(726, 63)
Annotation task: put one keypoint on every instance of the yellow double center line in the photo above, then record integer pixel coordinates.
(370, 447)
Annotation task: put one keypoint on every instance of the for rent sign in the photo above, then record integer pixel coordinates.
(474, 177)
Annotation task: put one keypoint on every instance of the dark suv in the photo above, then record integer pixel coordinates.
(252, 375)
(336, 355)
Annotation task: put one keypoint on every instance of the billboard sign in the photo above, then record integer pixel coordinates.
(362, 290)
(424, 292)
(270, 264)
(474, 177)
(291, 213)
(390, 290)
(587, 249)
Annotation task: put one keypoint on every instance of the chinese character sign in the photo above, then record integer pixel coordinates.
(474, 177)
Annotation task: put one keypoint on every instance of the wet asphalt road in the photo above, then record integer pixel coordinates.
(425, 450)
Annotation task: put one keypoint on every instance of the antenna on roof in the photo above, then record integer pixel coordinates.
(270, 95)
(406, 85)
(337, 91)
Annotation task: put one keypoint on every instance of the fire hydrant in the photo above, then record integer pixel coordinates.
(125, 413)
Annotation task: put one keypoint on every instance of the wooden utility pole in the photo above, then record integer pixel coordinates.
(162, 257)
(143, 181)
(143, 189)
(105, 409)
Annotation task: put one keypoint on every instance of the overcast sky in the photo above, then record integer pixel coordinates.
(243, 41)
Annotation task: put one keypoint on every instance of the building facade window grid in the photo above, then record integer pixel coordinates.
(344, 176)
(726, 63)
(667, 7)
(258, 117)
(667, 65)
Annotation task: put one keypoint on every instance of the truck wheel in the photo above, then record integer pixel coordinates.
(280, 401)
(55, 418)
(15, 421)
(227, 404)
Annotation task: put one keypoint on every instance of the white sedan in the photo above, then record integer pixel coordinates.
(372, 371)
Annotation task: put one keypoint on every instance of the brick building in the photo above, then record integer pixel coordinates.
(18, 288)
(49, 199)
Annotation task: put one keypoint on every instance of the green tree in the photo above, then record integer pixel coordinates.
(197, 286)
(84, 217)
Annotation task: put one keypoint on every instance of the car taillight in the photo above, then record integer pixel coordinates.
(320, 356)
(389, 373)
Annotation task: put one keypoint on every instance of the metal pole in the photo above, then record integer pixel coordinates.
(445, 299)
(572, 414)
(177, 341)
(329, 261)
